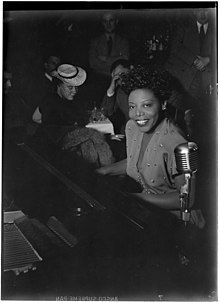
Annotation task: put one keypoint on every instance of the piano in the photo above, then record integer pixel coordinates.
(96, 241)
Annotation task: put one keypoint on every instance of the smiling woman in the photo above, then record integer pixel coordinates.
(144, 109)
(151, 140)
(148, 94)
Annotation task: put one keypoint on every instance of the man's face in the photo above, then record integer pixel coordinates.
(202, 15)
(109, 22)
(52, 64)
(119, 70)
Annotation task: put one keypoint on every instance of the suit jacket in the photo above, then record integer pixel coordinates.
(99, 47)
(118, 101)
(185, 47)
(117, 110)
(37, 88)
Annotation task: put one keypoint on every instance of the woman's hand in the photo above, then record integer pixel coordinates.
(118, 168)
(169, 201)
(102, 170)
(37, 116)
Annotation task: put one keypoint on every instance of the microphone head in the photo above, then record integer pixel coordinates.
(186, 155)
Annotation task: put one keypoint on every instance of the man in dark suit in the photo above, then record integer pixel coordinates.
(192, 53)
(108, 47)
(44, 82)
(45, 79)
(104, 50)
(115, 101)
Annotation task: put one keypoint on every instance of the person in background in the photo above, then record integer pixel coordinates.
(64, 118)
(115, 101)
(14, 120)
(151, 140)
(50, 66)
(179, 109)
(191, 58)
(44, 83)
(106, 49)
(59, 106)
(15, 110)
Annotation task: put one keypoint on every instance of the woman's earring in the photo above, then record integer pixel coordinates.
(164, 106)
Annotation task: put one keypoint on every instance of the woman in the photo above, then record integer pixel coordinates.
(151, 140)
(60, 107)
(63, 118)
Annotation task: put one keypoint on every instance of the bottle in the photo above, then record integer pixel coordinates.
(161, 46)
(103, 118)
(94, 113)
(154, 44)
(161, 43)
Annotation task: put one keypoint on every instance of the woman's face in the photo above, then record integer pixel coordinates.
(68, 91)
(144, 109)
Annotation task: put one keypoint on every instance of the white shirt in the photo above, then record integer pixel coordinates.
(205, 26)
(110, 35)
(48, 77)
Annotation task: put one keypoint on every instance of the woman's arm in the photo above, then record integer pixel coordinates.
(170, 201)
(118, 168)
(37, 116)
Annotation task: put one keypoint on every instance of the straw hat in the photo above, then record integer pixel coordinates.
(72, 75)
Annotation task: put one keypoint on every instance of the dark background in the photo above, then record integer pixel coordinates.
(34, 30)
(31, 31)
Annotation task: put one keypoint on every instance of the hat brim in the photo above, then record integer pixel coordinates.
(75, 81)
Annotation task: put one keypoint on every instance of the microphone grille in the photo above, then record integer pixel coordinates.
(186, 155)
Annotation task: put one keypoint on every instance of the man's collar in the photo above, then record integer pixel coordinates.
(48, 77)
(112, 35)
(205, 26)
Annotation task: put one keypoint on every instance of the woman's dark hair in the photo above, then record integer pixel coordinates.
(159, 81)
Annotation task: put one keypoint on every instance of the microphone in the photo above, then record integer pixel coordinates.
(186, 156)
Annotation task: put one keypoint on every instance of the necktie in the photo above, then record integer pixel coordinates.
(109, 45)
(201, 35)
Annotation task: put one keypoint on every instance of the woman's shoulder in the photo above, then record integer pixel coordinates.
(171, 135)
(131, 130)
(131, 126)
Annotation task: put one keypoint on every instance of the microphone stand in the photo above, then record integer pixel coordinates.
(184, 199)
(187, 164)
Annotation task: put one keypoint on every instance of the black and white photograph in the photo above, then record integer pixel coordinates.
(109, 151)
